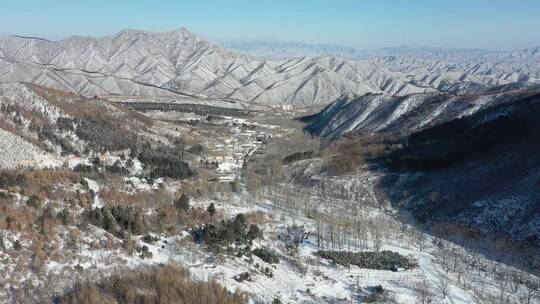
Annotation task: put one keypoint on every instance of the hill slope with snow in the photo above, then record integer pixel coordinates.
(450, 159)
(404, 114)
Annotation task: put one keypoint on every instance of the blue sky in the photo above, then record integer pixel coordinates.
(368, 24)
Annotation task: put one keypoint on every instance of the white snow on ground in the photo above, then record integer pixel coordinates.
(94, 187)
(410, 102)
(19, 94)
(134, 184)
(227, 167)
(137, 167)
(432, 272)
(14, 150)
(323, 279)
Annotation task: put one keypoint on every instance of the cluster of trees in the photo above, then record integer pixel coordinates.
(471, 270)
(98, 167)
(47, 131)
(118, 219)
(10, 108)
(166, 284)
(227, 232)
(10, 179)
(349, 226)
(339, 233)
(15, 114)
(102, 135)
(266, 255)
(165, 161)
(99, 131)
(349, 152)
(500, 246)
(382, 260)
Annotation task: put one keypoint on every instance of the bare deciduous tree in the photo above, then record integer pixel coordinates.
(516, 279)
(528, 295)
(376, 231)
(423, 292)
(444, 285)
(421, 241)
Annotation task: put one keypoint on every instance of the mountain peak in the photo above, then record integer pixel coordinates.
(182, 30)
(180, 33)
(130, 32)
(183, 33)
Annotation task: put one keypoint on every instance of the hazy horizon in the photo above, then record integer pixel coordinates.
(460, 24)
(284, 42)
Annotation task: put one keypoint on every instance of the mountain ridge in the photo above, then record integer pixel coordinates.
(179, 62)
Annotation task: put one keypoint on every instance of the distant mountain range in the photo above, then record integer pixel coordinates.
(179, 63)
(284, 50)
(513, 66)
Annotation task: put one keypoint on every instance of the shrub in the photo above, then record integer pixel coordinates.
(254, 232)
(377, 295)
(239, 224)
(266, 255)
(235, 186)
(241, 277)
(182, 202)
(64, 216)
(34, 201)
(82, 168)
(196, 149)
(148, 238)
(17, 245)
(86, 292)
(211, 209)
(297, 157)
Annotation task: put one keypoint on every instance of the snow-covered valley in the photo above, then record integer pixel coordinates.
(98, 215)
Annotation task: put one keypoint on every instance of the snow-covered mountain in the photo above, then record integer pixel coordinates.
(179, 62)
(405, 114)
(427, 64)
(448, 158)
(478, 66)
(480, 170)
